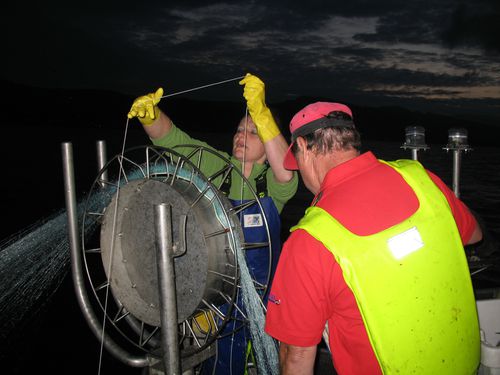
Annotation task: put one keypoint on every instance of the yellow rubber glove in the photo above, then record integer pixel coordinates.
(261, 115)
(145, 107)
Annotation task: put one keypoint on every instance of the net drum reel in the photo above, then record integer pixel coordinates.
(206, 234)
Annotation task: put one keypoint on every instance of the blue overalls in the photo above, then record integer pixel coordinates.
(231, 350)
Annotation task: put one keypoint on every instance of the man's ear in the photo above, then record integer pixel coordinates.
(302, 147)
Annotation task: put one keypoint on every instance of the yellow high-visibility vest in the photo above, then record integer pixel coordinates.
(411, 283)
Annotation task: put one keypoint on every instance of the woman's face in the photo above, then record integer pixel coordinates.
(252, 149)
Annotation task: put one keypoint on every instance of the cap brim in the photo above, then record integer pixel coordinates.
(290, 162)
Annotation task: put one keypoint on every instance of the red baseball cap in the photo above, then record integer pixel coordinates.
(310, 118)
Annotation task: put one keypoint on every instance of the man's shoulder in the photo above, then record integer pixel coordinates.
(302, 241)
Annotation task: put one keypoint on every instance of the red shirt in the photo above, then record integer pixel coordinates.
(367, 197)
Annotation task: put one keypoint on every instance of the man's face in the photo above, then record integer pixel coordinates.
(252, 149)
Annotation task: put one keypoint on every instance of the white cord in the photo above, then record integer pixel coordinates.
(202, 87)
(116, 207)
(115, 215)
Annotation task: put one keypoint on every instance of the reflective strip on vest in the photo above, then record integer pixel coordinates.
(411, 283)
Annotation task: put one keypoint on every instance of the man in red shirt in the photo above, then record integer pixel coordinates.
(378, 256)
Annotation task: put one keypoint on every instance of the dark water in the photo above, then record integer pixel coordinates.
(55, 339)
(479, 182)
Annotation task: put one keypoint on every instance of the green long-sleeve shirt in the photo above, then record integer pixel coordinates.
(280, 193)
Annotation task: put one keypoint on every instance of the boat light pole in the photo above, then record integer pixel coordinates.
(457, 142)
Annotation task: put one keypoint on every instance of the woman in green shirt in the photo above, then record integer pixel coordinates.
(258, 151)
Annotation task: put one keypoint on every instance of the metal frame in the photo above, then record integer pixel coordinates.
(135, 334)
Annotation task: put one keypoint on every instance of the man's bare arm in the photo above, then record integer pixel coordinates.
(297, 360)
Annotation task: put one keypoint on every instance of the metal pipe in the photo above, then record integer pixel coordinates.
(76, 265)
(457, 141)
(166, 286)
(414, 154)
(457, 157)
(101, 161)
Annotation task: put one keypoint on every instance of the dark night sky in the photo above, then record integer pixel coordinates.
(441, 56)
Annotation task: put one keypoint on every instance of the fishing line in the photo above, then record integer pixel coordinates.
(243, 161)
(111, 253)
(243, 165)
(202, 87)
(246, 279)
(116, 206)
(265, 349)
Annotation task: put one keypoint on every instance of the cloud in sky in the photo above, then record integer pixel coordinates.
(416, 53)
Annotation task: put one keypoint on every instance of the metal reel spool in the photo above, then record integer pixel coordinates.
(123, 256)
